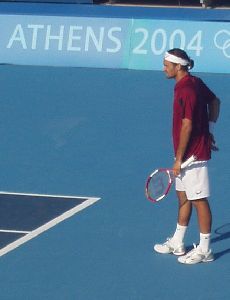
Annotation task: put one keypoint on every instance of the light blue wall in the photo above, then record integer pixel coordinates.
(110, 39)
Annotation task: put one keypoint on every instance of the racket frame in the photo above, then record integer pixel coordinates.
(170, 182)
(170, 177)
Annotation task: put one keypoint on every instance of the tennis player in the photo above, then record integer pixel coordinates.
(195, 112)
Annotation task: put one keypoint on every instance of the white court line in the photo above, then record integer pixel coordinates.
(14, 231)
(45, 195)
(48, 225)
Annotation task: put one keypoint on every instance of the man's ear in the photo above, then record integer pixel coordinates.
(178, 67)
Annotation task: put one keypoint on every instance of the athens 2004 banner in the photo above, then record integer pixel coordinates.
(111, 42)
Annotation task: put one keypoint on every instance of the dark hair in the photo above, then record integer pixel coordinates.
(182, 54)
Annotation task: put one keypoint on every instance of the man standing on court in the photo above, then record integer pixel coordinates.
(195, 112)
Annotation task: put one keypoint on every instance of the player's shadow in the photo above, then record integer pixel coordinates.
(223, 233)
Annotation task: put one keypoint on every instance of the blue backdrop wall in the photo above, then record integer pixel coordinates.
(112, 37)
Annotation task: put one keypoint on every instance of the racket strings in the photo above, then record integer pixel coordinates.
(159, 184)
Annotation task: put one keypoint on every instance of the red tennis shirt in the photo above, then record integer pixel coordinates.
(191, 97)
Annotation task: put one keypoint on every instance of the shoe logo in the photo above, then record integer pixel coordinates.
(222, 41)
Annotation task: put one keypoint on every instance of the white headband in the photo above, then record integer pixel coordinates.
(175, 59)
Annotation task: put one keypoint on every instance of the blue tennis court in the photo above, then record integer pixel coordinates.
(83, 132)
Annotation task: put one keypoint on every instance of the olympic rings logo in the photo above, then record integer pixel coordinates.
(222, 42)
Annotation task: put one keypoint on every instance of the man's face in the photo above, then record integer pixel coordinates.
(170, 69)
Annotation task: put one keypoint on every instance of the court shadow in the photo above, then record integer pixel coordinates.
(223, 233)
(217, 255)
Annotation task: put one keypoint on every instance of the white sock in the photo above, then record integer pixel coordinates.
(179, 233)
(205, 241)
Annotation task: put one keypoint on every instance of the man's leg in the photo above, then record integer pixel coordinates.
(202, 252)
(175, 244)
(184, 209)
(204, 216)
(184, 214)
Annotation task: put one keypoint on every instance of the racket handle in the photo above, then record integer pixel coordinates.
(188, 162)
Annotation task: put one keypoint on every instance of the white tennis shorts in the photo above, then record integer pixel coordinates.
(194, 181)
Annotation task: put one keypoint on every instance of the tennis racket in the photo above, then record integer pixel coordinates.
(160, 181)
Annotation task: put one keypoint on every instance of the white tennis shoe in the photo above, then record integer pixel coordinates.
(170, 247)
(196, 256)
